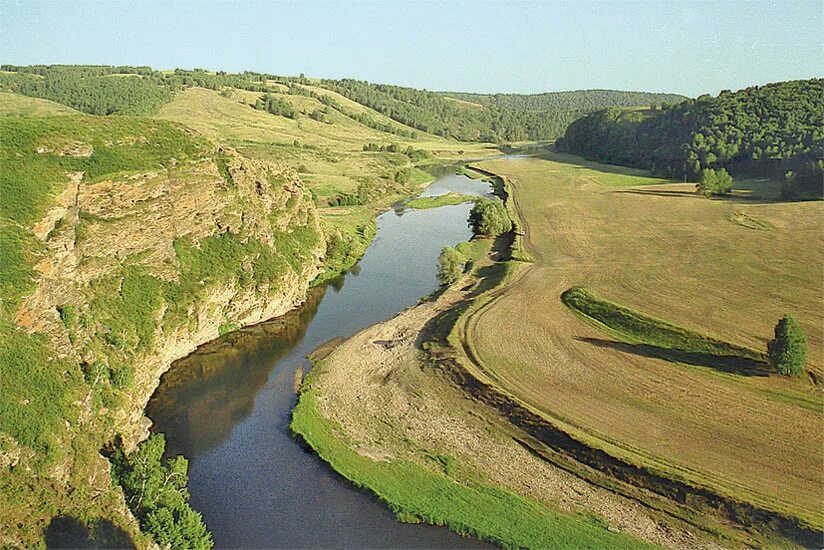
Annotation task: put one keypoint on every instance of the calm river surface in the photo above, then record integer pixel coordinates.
(227, 406)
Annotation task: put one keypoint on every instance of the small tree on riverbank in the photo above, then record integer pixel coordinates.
(450, 266)
(788, 350)
(488, 217)
(714, 182)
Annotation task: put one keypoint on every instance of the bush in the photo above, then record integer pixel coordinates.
(156, 493)
(788, 350)
(450, 266)
(488, 217)
(714, 182)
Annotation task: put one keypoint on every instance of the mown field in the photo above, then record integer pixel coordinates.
(670, 254)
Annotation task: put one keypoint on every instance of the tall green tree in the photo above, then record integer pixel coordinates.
(156, 493)
(788, 350)
(714, 182)
(488, 217)
(450, 265)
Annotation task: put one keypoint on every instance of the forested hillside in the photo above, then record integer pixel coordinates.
(776, 131)
(494, 118)
(580, 100)
(106, 90)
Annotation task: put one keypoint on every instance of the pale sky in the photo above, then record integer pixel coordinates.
(481, 46)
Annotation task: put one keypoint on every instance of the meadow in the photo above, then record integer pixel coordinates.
(665, 271)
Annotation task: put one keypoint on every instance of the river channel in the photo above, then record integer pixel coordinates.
(227, 406)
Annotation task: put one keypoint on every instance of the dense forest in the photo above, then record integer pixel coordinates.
(475, 117)
(776, 130)
(107, 90)
(580, 100)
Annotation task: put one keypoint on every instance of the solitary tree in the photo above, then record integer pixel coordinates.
(450, 265)
(714, 182)
(788, 350)
(488, 217)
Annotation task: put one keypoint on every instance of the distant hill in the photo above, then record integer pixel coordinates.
(111, 90)
(482, 117)
(775, 130)
(580, 100)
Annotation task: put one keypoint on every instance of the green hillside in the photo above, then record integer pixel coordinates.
(400, 111)
(773, 131)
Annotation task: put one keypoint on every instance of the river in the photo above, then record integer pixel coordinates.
(227, 406)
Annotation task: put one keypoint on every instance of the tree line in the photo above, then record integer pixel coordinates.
(107, 90)
(580, 100)
(775, 131)
(438, 114)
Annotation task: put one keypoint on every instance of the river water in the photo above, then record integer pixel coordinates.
(227, 406)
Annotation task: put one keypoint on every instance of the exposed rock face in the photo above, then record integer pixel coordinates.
(194, 236)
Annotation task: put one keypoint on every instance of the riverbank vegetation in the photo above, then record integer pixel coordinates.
(489, 218)
(155, 490)
(416, 493)
(448, 199)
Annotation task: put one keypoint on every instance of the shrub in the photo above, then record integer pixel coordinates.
(450, 265)
(488, 217)
(714, 182)
(156, 493)
(788, 350)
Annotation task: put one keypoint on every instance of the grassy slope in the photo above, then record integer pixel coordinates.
(15, 104)
(674, 256)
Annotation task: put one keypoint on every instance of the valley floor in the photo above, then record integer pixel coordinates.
(387, 395)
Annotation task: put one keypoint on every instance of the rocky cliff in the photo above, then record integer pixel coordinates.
(134, 254)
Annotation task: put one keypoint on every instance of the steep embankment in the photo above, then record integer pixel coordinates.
(125, 244)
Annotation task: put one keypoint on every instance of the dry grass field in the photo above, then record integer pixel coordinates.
(669, 253)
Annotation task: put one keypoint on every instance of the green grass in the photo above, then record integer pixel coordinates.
(416, 493)
(37, 390)
(349, 233)
(422, 203)
(15, 104)
(28, 179)
(418, 177)
(127, 305)
(475, 249)
(639, 328)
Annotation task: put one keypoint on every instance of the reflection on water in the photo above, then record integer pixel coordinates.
(458, 183)
(227, 406)
(203, 396)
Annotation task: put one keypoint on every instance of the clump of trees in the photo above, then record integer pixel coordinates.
(788, 350)
(275, 105)
(321, 115)
(488, 217)
(156, 493)
(450, 265)
(714, 182)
